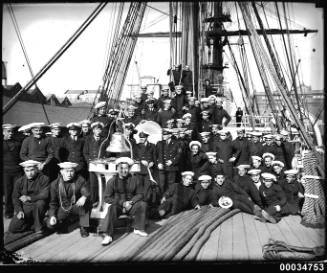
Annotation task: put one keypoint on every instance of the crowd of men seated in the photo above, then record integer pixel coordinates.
(47, 180)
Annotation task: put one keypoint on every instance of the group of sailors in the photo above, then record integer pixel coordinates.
(47, 179)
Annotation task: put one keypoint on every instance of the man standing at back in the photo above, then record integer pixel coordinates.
(221, 113)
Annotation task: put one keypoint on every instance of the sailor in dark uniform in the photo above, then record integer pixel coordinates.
(150, 97)
(131, 116)
(198, 160)
(278, 170)
(256, 162)
(268, 146)
(57, 147)
(225, 154)
(165, 114)
(151, 112)
(11, 169)
(194, 110)
(124, 194)
(205, 122)
(37, 147)
(164, 96)
(255, 146)
(207, 143)
(215, 137)
(268, 158)
(129, 132)
(224, 187)
(102, 117)
(220, 114)
(189, 125)
(139, 104)
(73, 149)
(30, 198)
(168, 156)
(280, 150)
(179, 102)
(242, 147)
(170, 124)
(203, 191)
(273, 198)
(69, 195)
(294, 192)
(91, 151)
(213, 166)
(178, 197)
(289, 149)
(85, 128)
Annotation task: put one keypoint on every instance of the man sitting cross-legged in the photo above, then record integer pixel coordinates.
(124, 193)
(69, 195)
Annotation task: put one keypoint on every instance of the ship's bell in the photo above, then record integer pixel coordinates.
(117, 144)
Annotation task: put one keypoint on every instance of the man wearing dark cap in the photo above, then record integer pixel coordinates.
(11, 169)
(30, 199)
(241, 148)
(168, 154)
(101, 116)
(37, 147)
(151, 113)
(91, 151)
(73, 149)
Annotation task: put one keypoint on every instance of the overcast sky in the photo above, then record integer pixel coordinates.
(45, 28)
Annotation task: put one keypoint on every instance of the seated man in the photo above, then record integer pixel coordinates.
(225, 187)
(179, 196)
(30, 198)
(203, 191)
(69, 195)
(273, 199)
(124, 193)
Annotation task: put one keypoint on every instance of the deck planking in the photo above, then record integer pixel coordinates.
(240, 250)
(239, 237)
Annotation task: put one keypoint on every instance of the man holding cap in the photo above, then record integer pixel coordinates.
(11, 169)
(30, 199)
(69, 195)
(124, 193)
(37, 147)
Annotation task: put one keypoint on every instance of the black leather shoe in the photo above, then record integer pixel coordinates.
(84, 232)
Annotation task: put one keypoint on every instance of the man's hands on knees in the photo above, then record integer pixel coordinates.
(81, 201)
(127, 205)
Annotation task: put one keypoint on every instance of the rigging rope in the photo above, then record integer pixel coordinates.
(15, 23)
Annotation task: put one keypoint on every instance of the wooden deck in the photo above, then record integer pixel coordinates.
(241, 237)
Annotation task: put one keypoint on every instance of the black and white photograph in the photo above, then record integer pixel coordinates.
(164, 133)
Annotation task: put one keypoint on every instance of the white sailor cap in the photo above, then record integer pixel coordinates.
(278, 137)
(175, 131)
(37, 125)
(191, 98)
(268, 136)
(204, 177)
(73, 126)
(180, 120)
(222, 132)
(214, 125)
(131, 107)
(291, 172)
(26, 127)
(268, 155)
(195, 142)
(180, 86)
(170, 121)
(8, 126)
(211, 154)
(187, 115)
(254, 172)
(166, 131)
(97, 124)
(205, 134)
(268, 176)
(205, 112)
(240, 129)
(167, 101)
(256, 157)
(256, 134)
(189, 131)
(204, 100)
(278, 163)
(284, 132)
(124, 159)
(189, 92)
(55, 125)
(30, 163)
(243, 166)
(187, 173)
(85, 121)
(100, 104)
(67, 165)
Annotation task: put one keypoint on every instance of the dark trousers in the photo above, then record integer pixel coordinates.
(166, 178)
(33, 217)
(138, 210)
(94, 187)
(228, 169)
(9, 179)
(277, 214)
(82, 212)
(52, 169)
(243, 203)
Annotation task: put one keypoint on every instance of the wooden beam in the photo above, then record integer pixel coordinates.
(272, 31)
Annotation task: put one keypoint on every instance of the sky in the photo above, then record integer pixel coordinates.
(46, 27)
